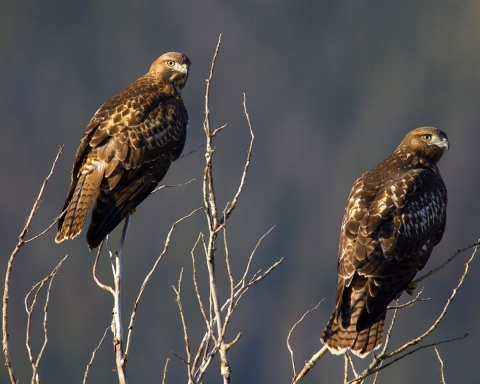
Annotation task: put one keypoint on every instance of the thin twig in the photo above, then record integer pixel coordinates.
(441, 364)
(185, 330)
(349, 358)
(94, 271)
(290, 334)
(362, 376)
(245, 168)
(451, 258)
(170, 186)
(309, 364)
(29, 309)
(409, 303)
(147, 279)
(85, 376)
(6, 290)
(205, 142)
(165, 371)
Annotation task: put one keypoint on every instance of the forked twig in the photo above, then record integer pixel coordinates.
(6, 290)
(147, 279)
(185, 330)
(376, 365)
(441, 364)
(292, 329)
(29, 309)
(85, 376)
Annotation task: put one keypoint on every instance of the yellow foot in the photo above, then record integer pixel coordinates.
(410, 288)
(133, 211)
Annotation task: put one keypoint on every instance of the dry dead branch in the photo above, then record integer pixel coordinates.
(8, 274)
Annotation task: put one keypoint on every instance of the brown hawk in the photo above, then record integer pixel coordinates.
(126, 150)
(395, 215)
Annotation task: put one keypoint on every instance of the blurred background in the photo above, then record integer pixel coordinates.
(332, 88)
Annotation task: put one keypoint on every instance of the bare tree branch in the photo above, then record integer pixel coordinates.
(441, 364)
(165, 371)
(309, 364)
(85, 376)
(409, 303)
(117, 326)
(147, 279)
(170, 186)
(185, 330)
(290, 334)
(6, 290)
(451, 258)
(29, 309)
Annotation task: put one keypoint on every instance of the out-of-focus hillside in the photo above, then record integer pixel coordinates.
(332, 87)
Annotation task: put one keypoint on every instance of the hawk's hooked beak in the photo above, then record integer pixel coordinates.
(182, 68)
(442, 142)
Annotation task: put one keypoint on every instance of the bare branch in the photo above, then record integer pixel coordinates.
(291, 330)
(6, 290)
(309, 364)
(244, 277)
(245, 169)
(94, 272)
(451, 258)
(205, 142)
(117, 326)
(349, 358)
(147, 279)
(409, 303)
(219, 129)
(184, 325)
(170, 186)
(29, 309)
(85, 376)
(363, 375)
(441, 364)
(165, 371)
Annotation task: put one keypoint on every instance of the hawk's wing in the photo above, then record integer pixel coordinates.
(130, 143)
(388, 233)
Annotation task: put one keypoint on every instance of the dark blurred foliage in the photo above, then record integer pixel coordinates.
(332, 87)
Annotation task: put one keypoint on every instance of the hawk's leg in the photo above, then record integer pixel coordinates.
(410, 288)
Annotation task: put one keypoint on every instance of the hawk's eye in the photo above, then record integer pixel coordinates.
(170, 63)
(426, 137)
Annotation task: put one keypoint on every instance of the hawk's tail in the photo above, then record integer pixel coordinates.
(78, 205)
(361, 343)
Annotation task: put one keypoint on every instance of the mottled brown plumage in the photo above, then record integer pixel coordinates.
(126, 150)
(395, 215)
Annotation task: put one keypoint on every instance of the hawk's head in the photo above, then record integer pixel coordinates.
(427, 142)
(172, 68)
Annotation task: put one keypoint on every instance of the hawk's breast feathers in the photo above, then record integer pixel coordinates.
(395, 215)
(127, 149)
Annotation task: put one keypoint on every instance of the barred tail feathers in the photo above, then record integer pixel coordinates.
(86, 191)
(339, 339)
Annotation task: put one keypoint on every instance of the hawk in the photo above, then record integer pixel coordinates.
(395, 215)
(126, 150)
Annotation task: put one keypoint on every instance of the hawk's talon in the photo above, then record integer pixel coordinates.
(410, 288)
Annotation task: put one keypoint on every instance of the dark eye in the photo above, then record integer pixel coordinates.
(170, 63)
(427, 137)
